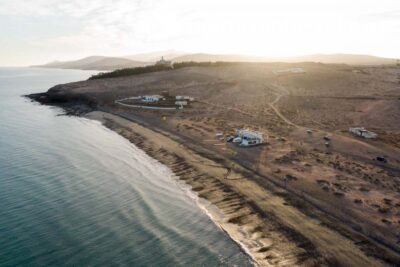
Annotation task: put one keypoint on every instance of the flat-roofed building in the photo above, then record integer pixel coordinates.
(362, 132)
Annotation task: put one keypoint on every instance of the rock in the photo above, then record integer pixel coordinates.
(363, 189)
(290, 177)
(387, 201)
(338, 194)
(383, 209)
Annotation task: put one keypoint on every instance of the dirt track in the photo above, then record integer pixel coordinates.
(339, 193)
(264, 234)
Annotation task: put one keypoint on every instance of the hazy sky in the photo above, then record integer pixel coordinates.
(38, 31)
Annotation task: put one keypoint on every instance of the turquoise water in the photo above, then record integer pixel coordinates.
(73, 193)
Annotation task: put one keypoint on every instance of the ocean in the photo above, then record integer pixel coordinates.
(73, 193)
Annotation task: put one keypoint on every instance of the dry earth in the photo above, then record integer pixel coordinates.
(296, 201)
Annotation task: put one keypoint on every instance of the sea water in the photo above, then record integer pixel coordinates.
(73, 193)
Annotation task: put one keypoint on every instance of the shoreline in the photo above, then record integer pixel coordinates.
(215, 214)
(260, 221)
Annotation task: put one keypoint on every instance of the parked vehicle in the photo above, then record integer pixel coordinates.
(381, 159)
(237, 140)
(230, 139)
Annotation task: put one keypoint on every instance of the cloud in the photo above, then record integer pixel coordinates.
(389, 15)
(104, 25)
(121, 26)
(26, 8)
(75, 8)
(266, 27)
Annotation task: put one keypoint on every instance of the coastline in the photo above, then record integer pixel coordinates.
(269, 232)
(212, 211)
(215, 215)
(329, 215)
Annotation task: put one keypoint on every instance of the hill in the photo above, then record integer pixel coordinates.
(95, 63)
(140, 60)
(349, 59)
(154, 56)
(202, 57)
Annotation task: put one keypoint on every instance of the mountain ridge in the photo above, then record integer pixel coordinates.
(95, 63)
(131, 61)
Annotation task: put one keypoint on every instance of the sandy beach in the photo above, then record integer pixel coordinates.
(273, 233)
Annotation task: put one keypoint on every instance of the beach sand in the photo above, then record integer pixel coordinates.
(270, 230)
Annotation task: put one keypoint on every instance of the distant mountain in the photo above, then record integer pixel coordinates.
(322, 58)
(154, 56)
(138, 60)
(350, 59)
(202, 57)
(95, 63)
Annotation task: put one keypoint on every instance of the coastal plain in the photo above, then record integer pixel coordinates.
(292, 201)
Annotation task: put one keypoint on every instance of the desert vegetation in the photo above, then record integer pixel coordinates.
(309, 159)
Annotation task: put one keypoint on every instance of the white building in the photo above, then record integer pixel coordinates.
(362, 132)
(151, 98)
(250, 138)
(163, 62)
(181, 103)
(182, 97)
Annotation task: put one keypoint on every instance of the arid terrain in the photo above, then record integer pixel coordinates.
(296, 201)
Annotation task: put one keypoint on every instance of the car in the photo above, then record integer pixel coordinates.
(230, 139)
(381, 159)
(327, 138)
(237, 140)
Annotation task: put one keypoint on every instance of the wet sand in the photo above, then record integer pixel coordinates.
(257, 217)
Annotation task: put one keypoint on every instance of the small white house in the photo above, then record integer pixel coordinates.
(250, 138)
(362, 132)
(181, 103)
(151, 98)
(187, 98)
(133, 98)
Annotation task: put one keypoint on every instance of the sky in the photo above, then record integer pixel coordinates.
(40, 31)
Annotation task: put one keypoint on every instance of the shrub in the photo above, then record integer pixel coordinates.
(156, 68)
